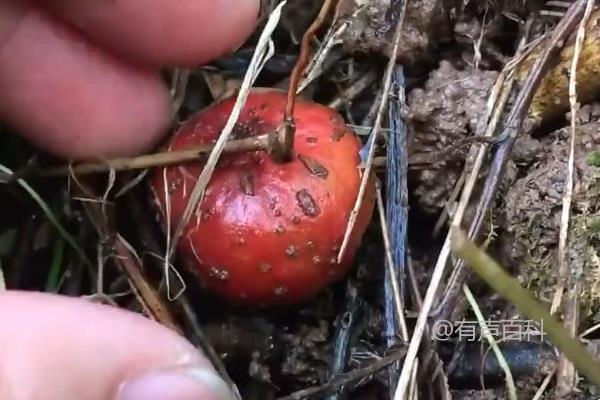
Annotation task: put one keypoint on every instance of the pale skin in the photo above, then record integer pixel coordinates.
(80, 79)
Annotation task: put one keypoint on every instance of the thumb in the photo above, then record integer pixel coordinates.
(54, 347)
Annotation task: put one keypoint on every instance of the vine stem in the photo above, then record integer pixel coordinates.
(281, 145)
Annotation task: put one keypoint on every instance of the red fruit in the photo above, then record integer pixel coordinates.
(268, 233)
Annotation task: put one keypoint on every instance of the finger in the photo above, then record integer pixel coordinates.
(163, 32)
(70, 97)
(54, 347)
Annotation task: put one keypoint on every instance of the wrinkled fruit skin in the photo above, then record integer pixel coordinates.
(267, 233)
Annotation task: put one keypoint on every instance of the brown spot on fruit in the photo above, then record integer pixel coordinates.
(280, 290)
(291, 251)
(339, 128)
(219, 273)
(265, 267)
(247, 183)
(307, 204)
(247, 128)
(313, 166)
(311, 139)
(296, 220)
(280, 229)
(174, 185)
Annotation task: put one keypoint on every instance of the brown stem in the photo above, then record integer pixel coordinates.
(268, 142)
(282, 144)
(158, 159)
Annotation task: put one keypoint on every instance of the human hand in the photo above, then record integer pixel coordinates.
(61, 348)
(80, 79)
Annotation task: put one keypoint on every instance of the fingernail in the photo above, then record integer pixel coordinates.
(179, 384)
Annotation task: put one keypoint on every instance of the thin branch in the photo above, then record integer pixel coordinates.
(387, 83)
(346, 378)
(566, 375)
(303, 58)
(345, 322)
(510, 382)
(282, 144)
(129, 263)
(162, 159)
(540, 392)
(354, 89)
(263, 52)
(179, 84)
(391, 268)
(396, 221)
(568, 189)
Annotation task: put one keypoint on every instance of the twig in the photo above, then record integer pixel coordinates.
(565, 374)
(282, 150)
(540, 392)
(396, 221)
(166, 158)
(355, 89)
(510, 382)
(303, 58)
(413, 391)
(199, 154)
(316, 66)
(345, 322)
(200, 339)
(391, 271)
(130, 264)
(371, 143)
(179, 84)
(346, 378)
(264, 50)
(568, 188)
(509, 288)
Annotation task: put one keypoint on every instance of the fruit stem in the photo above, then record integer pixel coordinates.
(282, 143)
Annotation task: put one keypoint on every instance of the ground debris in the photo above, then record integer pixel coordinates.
(306, 359)
(372, 26)
(439, 115)
(532, 210)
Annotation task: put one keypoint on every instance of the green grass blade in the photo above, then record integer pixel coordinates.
(49, 214)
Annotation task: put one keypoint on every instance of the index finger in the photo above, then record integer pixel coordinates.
(163, 32)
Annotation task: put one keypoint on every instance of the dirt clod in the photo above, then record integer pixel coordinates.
(439, 115)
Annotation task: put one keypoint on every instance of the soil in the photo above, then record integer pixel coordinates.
(532, 216)
(442, 113)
